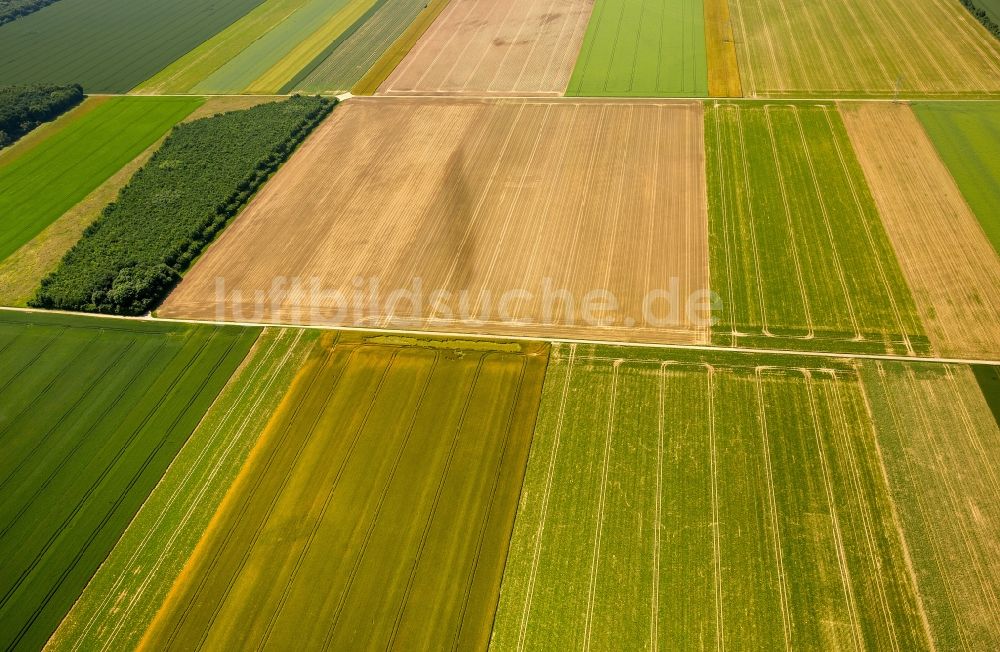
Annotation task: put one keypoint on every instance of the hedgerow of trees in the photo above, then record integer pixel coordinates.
(982, 17)
(14, 9)
(133, 255)
(22, 108)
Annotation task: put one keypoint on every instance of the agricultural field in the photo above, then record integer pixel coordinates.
(342, 65)
(938, 439)
(121, 600)
(692, 500)
(967, 138)
(720, 51)
(863, 48)
(199, 179)
(799, 255)
(494, 47)
(108, 46)
(643, 49)
(383, 451)
(93, 412)
(493, 217)
(40, 183)
(950, 265)
(276, 56)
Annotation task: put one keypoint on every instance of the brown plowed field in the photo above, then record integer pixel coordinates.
(502, 47)
(950, 265)
(475, 198)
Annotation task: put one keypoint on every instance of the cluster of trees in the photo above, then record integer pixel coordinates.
(205, 172)
(22, 108)
(982, 17)
(14, 9)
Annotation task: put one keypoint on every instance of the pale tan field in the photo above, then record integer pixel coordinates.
(951, 267)
(495, 47)
(476, 199)
(855, 48)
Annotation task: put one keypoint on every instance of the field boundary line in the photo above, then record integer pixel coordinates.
(541, 338)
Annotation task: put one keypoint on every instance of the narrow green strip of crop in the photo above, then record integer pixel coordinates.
(46, 181)
(93, 412)
(967, 137)
(122, 598)
(173, 207)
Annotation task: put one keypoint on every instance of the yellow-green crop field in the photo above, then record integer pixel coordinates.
(693, 500)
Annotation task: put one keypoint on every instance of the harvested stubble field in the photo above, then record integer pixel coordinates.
(109, 45)
(643, 49)
(495, 47)
(799, 254)
(44, 180)
(858, 48)
(951, 266)
(967, 137)
(475, 198)
(92, 414)
(377, 507)
(124, 595)
(679, 500)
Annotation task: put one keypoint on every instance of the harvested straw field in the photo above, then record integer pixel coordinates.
(951, 266)
(495, 47)
(497, 217)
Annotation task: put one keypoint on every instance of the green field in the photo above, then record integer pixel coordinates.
(634, 48)
(93, 412)
(348, 59)
(44, 182)
(108, 45)
(938, 439)
(389, 478)
(704, 501)
(241, 71)
(798, 251)
(124, 595)
(967, 137)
